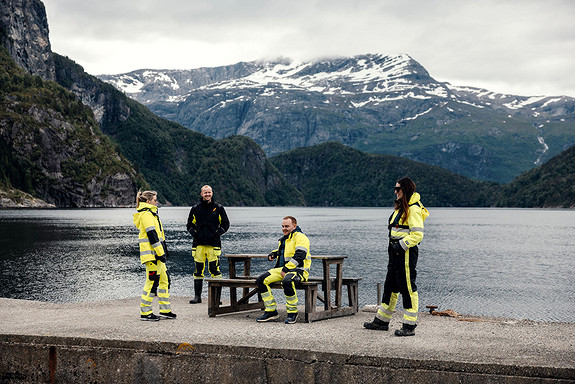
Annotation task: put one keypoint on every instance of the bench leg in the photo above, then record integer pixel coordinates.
(314, 299)
(352, 294)
(339, 273)
(214, 298)
(310, 301)
(211, 300)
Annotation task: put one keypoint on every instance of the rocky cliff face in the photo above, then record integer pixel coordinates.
(24, 32)
(51, 140)
(107, 108)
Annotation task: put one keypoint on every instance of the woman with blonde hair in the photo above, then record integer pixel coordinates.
(153, 254)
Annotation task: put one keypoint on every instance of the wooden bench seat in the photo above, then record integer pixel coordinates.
(249, 287)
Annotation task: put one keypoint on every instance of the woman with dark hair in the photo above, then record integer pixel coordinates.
(405, 233)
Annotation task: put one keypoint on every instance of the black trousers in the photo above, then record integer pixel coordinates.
(401, 275)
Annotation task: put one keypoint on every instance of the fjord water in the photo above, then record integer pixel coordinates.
(514, 263)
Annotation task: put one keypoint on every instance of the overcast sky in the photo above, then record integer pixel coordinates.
(522, 47)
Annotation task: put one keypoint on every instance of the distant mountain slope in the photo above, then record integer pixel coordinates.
(175, 160)
(375, 103)
(332, 174)
(550, 185)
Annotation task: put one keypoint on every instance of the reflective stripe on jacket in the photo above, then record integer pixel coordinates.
(409, 233)
(151, 232)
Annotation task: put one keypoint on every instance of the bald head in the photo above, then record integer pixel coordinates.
(206, 193)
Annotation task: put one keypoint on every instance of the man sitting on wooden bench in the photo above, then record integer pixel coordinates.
(292, 266)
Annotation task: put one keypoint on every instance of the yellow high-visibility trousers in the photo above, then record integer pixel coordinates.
(155, 270)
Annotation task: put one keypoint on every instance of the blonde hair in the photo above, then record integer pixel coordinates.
(145, 196)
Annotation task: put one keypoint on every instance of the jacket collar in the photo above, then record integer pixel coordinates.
(289, 235)
(414, 198)
(146, 206)
(203, 202)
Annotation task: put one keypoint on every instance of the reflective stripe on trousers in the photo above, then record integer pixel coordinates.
(400, 278)
(269, 301)
(288, 284)
(201, 253)
(153, 272)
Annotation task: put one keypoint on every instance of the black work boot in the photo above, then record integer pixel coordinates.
(406, 330)
(268, 316)
(198, 283)
(377, 324)
(291, 318)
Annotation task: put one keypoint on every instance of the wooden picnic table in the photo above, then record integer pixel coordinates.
(327, 261)
(246, 282)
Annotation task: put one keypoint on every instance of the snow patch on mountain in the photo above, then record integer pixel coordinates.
(387, 73)
(418, 115)
(177, 99)
(519, 103)
(550, 101)
(128, 84)
(543, 150)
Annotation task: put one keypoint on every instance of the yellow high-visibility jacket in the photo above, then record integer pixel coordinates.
(296, 252)
(151, 237)
(409, 233)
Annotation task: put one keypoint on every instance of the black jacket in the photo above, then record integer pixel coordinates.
(207, 222)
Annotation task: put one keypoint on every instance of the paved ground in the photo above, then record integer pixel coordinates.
(484, 340)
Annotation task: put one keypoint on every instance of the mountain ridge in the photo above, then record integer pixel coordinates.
(332, 174)
(376, 103)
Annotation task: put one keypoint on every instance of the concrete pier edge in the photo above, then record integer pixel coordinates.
(105, 342)
(73, 359)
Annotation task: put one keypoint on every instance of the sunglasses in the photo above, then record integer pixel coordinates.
(397, 189)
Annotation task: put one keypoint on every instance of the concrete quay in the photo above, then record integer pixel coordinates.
(105, 342)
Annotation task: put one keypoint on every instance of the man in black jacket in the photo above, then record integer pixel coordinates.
(206, 223)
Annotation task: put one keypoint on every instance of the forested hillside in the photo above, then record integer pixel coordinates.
(332, 174)
(550, 185)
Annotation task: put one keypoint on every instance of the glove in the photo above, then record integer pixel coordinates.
(272, 255)
(161, 258)
(165, 249)
(397, 249)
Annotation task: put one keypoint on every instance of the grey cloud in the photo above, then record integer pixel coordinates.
(487, 42)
